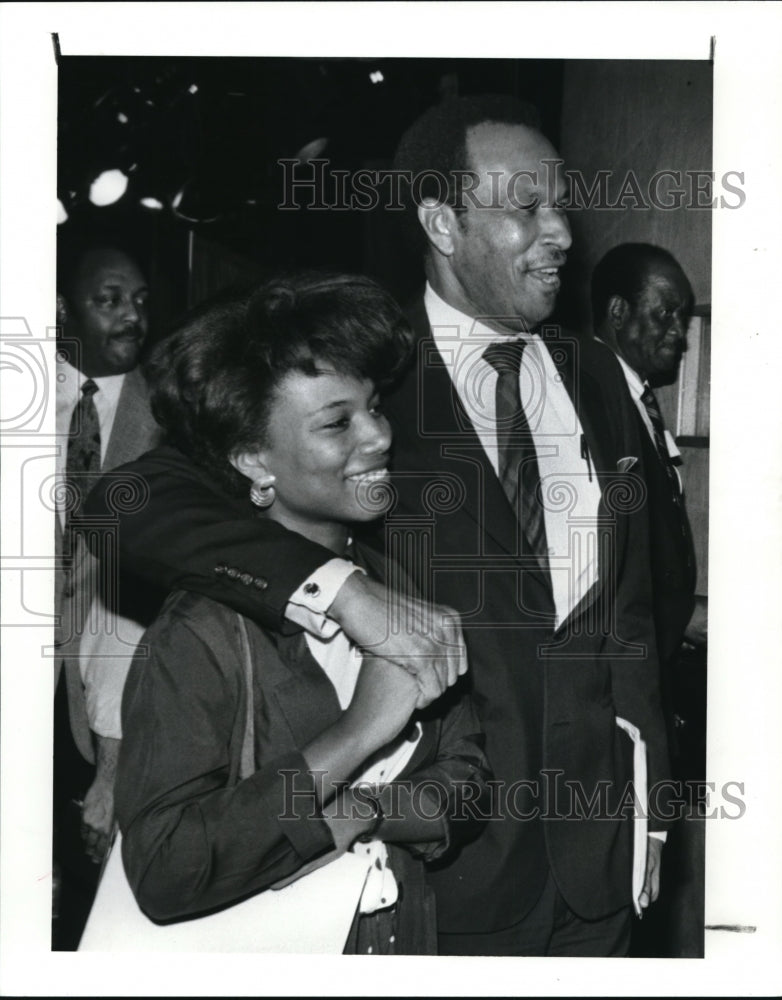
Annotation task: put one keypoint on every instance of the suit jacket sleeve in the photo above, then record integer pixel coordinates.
(192, 841)
(185, 532)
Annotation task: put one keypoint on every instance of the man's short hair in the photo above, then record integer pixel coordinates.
(434, 149)
(623, 271)
(73, 246)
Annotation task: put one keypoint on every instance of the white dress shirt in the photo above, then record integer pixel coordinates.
(341, 661)
(565, 466)
(108, 640)
(69, 385)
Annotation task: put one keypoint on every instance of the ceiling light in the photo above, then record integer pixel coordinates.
(108, 187)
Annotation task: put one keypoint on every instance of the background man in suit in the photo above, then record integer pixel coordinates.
(641, 304)
(103, 420)
(560, 638)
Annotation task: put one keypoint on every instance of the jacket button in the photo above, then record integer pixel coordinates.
(260, 584)
(220, 569)
(232, 572)
(246, 578)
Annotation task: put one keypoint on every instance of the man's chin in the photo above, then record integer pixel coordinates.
(122, 357)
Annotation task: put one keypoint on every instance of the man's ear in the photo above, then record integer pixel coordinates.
(618, 312)
(440, 223)
(252, 464)
(62, 310)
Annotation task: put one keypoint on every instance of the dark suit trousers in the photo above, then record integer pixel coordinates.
(76, 874)
(550, 929)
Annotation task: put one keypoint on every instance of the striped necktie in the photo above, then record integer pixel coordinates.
(518, 460)
(656, 418)
(649, 400)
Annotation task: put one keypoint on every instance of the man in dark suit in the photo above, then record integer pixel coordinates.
(641, 303)
(543, 553)
(103, 420)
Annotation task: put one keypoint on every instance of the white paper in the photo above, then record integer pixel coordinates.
(311, 916)
(640, 821)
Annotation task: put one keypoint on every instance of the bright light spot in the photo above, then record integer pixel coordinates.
(312, 149)
(62, 215)
(108, 187)
(154, 203)
(376, 76)
(193, 88)
(122, 117)
(176, 201)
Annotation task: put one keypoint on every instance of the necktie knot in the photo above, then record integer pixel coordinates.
(89, 389)
(505, 356)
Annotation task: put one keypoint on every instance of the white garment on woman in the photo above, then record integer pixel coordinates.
(341, 662)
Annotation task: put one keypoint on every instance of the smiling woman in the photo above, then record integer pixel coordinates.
(276, 392)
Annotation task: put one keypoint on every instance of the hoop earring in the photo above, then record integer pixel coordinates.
(262, 496)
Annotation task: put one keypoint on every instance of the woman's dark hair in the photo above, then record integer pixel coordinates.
(214, 378)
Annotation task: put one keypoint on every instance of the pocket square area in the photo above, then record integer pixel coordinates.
(625, 464)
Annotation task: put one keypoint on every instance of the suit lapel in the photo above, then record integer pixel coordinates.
(588, 399)
(586, 396)
(133, 423)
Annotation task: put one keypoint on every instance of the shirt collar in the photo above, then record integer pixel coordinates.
(109, 386)
(443, 317)
(635, 383)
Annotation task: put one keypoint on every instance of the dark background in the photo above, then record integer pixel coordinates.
(222, 142)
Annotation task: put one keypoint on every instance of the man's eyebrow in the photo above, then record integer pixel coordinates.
(117, 287)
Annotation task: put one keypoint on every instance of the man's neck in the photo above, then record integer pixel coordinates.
(512, 327)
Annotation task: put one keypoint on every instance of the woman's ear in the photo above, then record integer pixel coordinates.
(252, 464)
